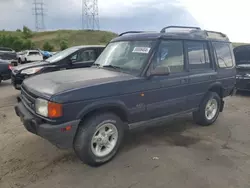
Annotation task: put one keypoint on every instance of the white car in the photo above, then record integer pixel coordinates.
(29, 56)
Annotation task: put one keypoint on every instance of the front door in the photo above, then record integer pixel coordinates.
(83, 58)
(166, 95)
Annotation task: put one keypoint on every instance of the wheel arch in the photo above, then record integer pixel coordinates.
(116, 107)
(217, 88)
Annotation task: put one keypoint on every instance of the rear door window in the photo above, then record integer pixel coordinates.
(198, 55)
(34, 53)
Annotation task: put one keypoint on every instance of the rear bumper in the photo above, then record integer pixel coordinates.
(6, 75)
(52, 133)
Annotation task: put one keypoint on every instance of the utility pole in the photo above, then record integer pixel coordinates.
(90, 15)
(38, 8)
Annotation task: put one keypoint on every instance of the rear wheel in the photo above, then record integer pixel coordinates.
(99, 138)
(209, 109)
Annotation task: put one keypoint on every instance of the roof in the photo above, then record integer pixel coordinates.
(178, 32)
(242, 47)
(5, 49)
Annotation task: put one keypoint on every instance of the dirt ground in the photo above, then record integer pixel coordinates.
(177, 154)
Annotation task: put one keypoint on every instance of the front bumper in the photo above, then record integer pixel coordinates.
(243, 83)
(52, 133)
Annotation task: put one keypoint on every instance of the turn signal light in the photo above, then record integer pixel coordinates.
(54, 110)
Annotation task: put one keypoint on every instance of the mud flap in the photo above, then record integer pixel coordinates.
(222, 105)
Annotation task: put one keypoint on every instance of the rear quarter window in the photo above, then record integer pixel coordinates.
(34, 53)
(224, 54)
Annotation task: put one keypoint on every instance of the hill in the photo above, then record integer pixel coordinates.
(20, 40)
(54, 38)
(73, 38)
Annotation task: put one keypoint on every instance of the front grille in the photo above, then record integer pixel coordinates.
(28, 99)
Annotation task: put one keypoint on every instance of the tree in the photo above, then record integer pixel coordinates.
(47, 46)
(27, 33)
(63, 45)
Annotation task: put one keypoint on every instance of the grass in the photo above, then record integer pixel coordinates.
(72, 37)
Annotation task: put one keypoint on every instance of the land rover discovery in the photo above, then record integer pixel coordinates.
(140, 78)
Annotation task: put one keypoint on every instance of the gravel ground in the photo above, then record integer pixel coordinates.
(176, 154)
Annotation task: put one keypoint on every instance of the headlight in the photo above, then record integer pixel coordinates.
(48, 109)
(31, 70)
(42, 107)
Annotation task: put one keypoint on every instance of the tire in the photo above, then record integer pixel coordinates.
(25, 60)
(200, 116)
(85, 148)
(19, 61)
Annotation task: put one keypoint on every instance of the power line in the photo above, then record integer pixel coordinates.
(38, 8)
(90, 15)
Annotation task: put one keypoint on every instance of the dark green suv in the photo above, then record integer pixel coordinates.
(140, 78)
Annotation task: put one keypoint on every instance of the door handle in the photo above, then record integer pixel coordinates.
(184, 81)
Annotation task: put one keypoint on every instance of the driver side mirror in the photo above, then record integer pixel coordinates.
(159, 71)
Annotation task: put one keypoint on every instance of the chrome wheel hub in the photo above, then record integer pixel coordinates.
(104, 140)
(211, 109)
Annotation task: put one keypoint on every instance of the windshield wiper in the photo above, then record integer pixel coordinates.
(96, 64)
(112, 66)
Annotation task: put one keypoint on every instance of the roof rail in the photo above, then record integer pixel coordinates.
(179, 27)
(215, 32)
(127, 32)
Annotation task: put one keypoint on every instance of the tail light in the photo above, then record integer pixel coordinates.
(10, 66)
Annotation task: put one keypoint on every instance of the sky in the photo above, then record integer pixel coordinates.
(227, 16)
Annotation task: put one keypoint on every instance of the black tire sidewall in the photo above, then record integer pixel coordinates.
(82, 143)
(209, 96)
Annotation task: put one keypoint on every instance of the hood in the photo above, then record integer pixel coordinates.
(30, 65)
(243, 66)
(54, 83)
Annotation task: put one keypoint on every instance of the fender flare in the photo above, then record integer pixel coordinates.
(103, 104)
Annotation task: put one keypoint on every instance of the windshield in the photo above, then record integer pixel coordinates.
(126, 56)
(61, 55)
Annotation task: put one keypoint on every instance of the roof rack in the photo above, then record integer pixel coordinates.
(127, 32)
(179, 27)
(215, 34)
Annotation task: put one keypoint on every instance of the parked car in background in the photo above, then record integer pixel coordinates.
(242, 58)
(71, 58)
(46, 54)
(140, 79)
(9, 55)
(29, 56)
(5, 70)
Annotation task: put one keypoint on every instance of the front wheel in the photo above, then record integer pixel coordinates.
(209, 109)
(99, 138)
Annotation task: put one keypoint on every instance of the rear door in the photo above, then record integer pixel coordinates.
(201, 71)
